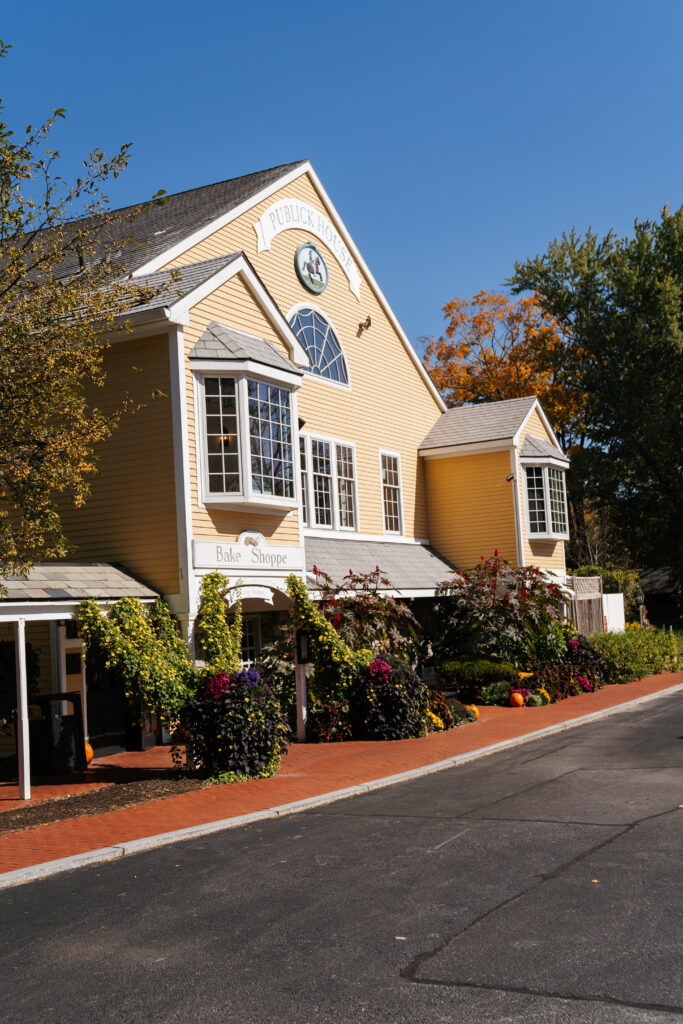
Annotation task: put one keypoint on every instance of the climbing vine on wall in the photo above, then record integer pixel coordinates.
(141, 648)
(336, 665)
(221, 641)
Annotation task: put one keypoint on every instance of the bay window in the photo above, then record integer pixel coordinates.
(328, 484)
(248, 442)
(546, 502)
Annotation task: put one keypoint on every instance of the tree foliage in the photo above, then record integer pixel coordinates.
(61, 286)
(496, 348)
(620, 302)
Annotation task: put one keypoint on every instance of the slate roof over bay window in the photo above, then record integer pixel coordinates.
(219, 342)
(537, 448)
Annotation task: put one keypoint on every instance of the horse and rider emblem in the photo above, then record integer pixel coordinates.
(311, 268)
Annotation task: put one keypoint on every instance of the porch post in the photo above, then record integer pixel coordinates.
(23, 748)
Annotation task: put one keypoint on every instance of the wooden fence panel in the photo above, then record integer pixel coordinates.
(585, 610)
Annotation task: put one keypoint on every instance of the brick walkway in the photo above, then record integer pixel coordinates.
(307, 771)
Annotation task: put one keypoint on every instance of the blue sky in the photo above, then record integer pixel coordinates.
(453, 137)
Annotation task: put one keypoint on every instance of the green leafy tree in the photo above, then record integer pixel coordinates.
(620, 301)
(61, 286)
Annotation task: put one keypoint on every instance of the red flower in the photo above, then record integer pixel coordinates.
(336, 619)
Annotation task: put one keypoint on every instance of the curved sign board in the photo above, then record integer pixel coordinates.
(286, 214)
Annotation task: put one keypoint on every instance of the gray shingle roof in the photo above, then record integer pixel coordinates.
(161, 225)
(63, 581)
(219, 342)
(538, 448)
(472, 424)
(406, 566)
(170, 286)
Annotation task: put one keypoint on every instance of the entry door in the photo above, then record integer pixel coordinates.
(104, 713)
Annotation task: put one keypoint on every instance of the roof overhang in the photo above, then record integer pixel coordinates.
(503, 444)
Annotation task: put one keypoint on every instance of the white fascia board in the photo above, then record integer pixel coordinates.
(187, 243)
(179, 311)
(474, 448)
(48, 611)
(543, 460)
(246, 366)
(544, 419)
(160, 261)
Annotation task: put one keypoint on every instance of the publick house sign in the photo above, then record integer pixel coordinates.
(248, 552)
(286, 214)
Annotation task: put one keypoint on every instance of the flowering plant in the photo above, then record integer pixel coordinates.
(234, 727)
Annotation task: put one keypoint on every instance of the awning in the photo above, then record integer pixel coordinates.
(413, 570)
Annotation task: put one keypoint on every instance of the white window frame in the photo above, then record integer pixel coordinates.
(246, 497)
(544, 465)
(397, 456)
(309, 373)
(335, 526)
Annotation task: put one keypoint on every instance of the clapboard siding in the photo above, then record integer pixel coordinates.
(130, 516)
(471, 507)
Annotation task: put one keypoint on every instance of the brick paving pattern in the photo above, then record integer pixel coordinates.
(307, 771)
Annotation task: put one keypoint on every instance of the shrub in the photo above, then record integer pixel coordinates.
(365, 616)
(468, 677)
(460, 712)
(439, 706)
(495, 693)
(546, 643)
(328, 723)
(492, 610)
(636, 653)
(390, 701)
(561, 681)
(586, 659)
(234, 727)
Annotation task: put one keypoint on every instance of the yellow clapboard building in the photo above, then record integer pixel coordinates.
(283, 420)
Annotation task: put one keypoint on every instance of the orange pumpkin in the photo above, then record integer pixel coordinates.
(89, 753)
(516, 700)
(473, 707)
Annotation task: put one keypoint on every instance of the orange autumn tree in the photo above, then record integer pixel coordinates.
(495, 348)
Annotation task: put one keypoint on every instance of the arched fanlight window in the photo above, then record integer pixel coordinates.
(321, 344)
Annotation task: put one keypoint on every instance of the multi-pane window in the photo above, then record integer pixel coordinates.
(322, 346)
(346, 487)
(220, 403)
(546, 501)
(391, 493)
(536, 499)
(270, 440)
(328, 484)
(304, 481)
(558, 503)
(322, 482)
(249, 439)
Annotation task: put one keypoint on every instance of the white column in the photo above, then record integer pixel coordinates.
(23, 747)
(301, 702)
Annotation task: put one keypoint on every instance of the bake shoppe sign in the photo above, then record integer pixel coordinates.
(287, 214)
(249, 551)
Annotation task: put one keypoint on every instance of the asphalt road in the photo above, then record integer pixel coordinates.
(538, 885)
